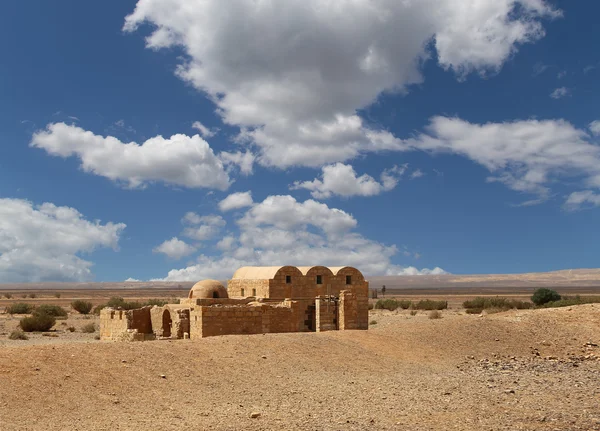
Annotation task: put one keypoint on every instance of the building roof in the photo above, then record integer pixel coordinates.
(256, 272)
(205, 289)
(304, 269)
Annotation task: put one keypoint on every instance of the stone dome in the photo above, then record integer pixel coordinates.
(208, 289)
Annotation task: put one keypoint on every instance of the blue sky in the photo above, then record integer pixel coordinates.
(398, 138)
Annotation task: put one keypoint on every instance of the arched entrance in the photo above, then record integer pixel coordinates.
(166, 324)
(215, 294)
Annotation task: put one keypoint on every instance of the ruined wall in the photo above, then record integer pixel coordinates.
(173, 324)
(353, 311)
(126, 324)
(227, 320)
(326, 314)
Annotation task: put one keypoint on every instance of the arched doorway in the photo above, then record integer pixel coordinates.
(166, 324)
(215, 294)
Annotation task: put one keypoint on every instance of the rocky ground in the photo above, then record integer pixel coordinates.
(518, 370)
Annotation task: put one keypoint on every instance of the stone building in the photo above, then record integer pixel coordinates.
(257, 300)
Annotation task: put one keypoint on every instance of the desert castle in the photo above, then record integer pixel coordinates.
(257, 300)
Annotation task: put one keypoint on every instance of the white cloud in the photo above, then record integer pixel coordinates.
(202, 228)
(595, 127)
(283, 231)
(561, 74)
(236, 201)
(340, 179)
(180, 160)
(417, 174)
(524, 155)
(131, 279)
(204, 131)
(560, 92)
(175, 248)
(44, 242)
(578, 199)
(243, 160)
(294, 89)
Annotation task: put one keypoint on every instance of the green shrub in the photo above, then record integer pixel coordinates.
(568, 301)
(158, 302)
(543, 296)
(89, 328)
(98, 308)
(118, 302)
(19, 308)
(51, 310)
(474, 310)
(38, 322)
(503, 304)
(387, 304)
(82, 307)
(405, 305)
(428, 304)
(18, 335)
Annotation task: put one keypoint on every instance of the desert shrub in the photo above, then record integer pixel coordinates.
(97, 337)
(474, 310)
(89, 328)
(39, 322)
(543, 296)
(71, 329)
(19, 308)
(51, 310)
(98, 308)
(387, 304)
(32, 295)
(413, 312)
(82, 307)
(435, 314)
(8, 295)
(157, 301)
(405, 304)
(24, 295)
(57, 295)
(18, 335)
(502, 304)
(568, 301)
(371, 305)
(373, 322)
(428, 304)
(118, 302)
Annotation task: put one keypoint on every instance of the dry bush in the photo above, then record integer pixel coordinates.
(435, 314)
(19, 308)
(413, 312)
(82, 307)
(89, 328)
(496, 303)
(8, 295)
(71, 329)
(32, 295)
(40, 322)
(51, 310)
(568, 301)
(18, 335)
(373, 322)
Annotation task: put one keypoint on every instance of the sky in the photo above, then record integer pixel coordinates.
(181, 139)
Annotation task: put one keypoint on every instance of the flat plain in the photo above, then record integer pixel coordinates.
(513, 370)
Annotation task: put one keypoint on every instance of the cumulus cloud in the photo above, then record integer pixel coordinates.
(296, 72)
(180, 160)
(342, 180)
(595, 127)
(236, 201)
(202, 228)
(524, 155)
(560, 92)
(204, 131)
(174, 248)
(282, 231)
(44, 242)
(577, 200)
(243, 160)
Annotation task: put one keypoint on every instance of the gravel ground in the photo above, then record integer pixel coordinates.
(518, 370)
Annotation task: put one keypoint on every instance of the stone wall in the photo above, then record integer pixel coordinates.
(353, 311)
(126, 324)
(170, 321)
(326, 314)
(245, 288)
(227, 320)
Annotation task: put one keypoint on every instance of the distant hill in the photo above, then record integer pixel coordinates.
(570, 278)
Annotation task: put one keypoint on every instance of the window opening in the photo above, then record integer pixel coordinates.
(319, 279)
(348, 279)
(288, 279)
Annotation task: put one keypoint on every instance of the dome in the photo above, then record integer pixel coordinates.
(208, 289)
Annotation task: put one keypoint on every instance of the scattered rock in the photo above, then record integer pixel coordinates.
(255, 415)
(162, 376)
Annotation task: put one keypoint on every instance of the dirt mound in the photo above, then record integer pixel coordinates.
(516, 370)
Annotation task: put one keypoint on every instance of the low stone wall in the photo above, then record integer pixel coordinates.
(126, 324)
